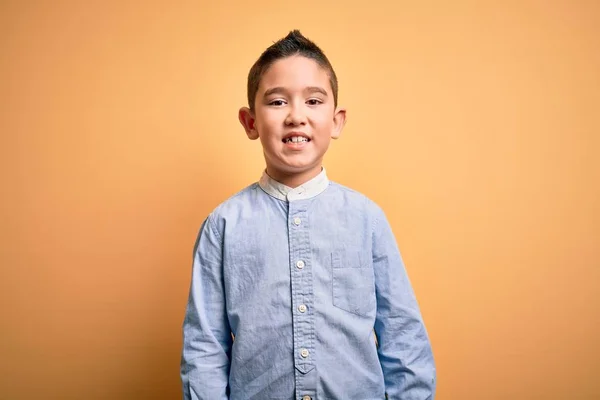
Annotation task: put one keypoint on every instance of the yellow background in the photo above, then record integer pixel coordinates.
(475, 125)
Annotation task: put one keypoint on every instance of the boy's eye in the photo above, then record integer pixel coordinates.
(313, 102)
(276, 103)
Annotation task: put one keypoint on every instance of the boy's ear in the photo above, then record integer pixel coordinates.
(339, 120)
(246, 117)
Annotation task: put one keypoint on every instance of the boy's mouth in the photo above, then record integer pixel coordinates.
(296, 138)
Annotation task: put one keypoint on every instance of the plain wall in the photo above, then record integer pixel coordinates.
(475, 125)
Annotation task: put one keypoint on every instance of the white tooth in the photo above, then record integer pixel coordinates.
(296, 139)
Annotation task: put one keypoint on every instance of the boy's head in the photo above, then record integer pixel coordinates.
(294, 44)
(292, 98)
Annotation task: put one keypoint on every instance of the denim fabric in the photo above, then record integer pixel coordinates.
(304, 281)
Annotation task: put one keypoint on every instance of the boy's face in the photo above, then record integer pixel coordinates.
(295, 119)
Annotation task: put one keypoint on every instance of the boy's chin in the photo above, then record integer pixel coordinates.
(297, 166)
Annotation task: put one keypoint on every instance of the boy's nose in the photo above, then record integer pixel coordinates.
(295, 116)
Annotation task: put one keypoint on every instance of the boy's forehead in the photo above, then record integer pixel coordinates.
(295, 72)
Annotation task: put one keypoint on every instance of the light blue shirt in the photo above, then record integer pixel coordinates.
(307, 280)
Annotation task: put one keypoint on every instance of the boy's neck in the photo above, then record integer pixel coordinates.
(294, 180)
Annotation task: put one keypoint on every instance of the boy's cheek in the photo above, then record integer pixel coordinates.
(269, 118)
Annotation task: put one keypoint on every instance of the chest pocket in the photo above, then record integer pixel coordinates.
(353, 286)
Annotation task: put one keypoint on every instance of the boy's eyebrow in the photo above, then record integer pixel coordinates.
(308, 89)
(271, 91)
(312, 89)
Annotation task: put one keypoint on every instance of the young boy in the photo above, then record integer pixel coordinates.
(296, 278)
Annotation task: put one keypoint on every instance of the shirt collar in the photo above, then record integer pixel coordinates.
(313, 187)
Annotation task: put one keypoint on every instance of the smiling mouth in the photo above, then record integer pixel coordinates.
(296, 139)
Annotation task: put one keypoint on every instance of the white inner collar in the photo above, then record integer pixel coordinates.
(309, 189)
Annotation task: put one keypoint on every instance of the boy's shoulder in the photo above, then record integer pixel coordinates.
(352, 196)
(348, 191)
(236, 201)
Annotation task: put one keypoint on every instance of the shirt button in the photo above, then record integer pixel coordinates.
(297, 221)
(306, 398)
(300, 264)
(302, 308)
(304, 353)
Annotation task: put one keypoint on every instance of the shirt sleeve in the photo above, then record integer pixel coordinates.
(206, 333)
(404, 348)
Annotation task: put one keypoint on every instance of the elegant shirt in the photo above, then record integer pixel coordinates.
(302, 294)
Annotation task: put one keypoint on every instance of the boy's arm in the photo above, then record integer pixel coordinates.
(206, 332)
(404, 349)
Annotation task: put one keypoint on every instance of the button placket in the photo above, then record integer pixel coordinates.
(302, 299)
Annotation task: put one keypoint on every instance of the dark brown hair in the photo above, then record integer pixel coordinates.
(293, 44)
